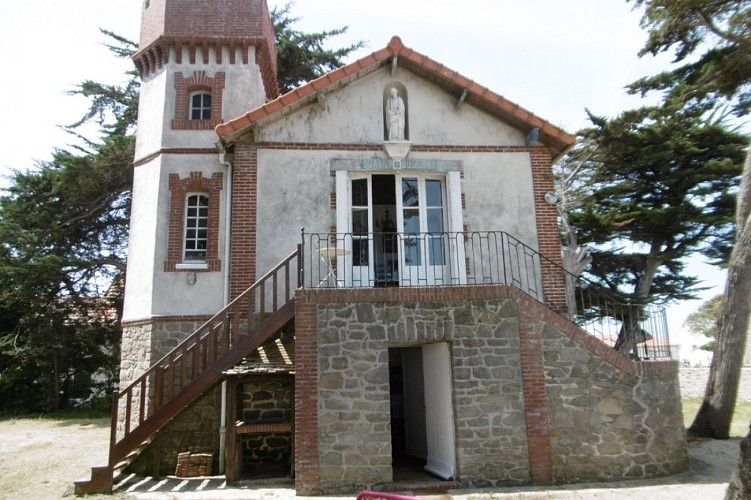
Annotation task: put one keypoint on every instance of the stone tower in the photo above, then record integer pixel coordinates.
(201, 62)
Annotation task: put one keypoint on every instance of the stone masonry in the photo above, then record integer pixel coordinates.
(195, 430)
(267, 399)
(535, 399)
(606, 424)
(354, 394)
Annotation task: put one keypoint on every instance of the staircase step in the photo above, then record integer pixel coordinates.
(99, 482)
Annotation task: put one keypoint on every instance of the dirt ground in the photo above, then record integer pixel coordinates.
(40, 459)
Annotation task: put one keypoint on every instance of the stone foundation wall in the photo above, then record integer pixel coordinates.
(606, 424)
(265, 400)
(197, 429)
(535, 399)
(354, 408)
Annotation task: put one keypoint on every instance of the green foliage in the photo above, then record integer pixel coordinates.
(706, 320)
(720, 30)
(63, 228)
(63, 238)
(301, 57)
(661, 187)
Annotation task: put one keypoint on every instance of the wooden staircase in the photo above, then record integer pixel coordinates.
(186, 373)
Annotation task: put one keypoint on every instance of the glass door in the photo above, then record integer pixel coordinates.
(362, 244)
(421, 223)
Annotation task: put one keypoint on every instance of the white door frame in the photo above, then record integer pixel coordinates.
(454, 254)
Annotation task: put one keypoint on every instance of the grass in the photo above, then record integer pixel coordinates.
(741, 416)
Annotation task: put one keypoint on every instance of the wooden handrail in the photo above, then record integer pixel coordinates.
(194, 359)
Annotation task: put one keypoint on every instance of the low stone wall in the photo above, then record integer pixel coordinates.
(607, 424)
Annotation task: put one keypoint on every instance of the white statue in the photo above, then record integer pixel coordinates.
(395, 116)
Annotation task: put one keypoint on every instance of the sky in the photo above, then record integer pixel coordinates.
(554, 58)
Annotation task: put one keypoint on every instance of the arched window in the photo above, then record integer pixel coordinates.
(196, 227)
(198, 101)
(200, 105)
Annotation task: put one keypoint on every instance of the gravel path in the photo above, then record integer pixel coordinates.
(694, 382)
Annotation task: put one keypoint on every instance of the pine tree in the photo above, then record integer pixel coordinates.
(719, 31)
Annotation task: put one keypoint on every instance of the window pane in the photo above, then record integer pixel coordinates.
(410, 197)
(434, 193)
(360, 193)
(360, 252)
(435, 220)
(435, 249)
(360, 221)
(196, 227)
(200, 106)
(412, 254)
(411, 221)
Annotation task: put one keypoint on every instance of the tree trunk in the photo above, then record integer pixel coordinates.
(716, 411)
(740, 483)
(631, 333)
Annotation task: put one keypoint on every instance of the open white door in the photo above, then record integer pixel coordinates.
(439, 414)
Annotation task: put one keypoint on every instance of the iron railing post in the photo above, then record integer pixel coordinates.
(301, 260)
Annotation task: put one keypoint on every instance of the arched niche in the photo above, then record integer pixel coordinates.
(389, 108)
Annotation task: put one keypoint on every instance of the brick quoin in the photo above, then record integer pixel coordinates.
(244, 214)
(548, 235)
(535, 398)
(306, 397)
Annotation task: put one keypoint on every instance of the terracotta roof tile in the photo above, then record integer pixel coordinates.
(557, 139)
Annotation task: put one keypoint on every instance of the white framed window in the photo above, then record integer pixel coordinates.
(200, 105)
(196, 228)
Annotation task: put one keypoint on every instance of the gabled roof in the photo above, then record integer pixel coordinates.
(452, 82)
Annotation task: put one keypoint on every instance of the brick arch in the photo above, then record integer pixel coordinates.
(199, 81)
(179, 188)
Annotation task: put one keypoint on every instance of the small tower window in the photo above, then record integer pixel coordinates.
(196, 227)
(200, 106)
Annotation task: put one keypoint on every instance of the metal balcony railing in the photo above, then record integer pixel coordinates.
(346, 260)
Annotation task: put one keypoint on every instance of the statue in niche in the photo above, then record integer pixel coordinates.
(395, 110)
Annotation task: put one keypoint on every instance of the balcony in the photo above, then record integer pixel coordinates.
(374, 260)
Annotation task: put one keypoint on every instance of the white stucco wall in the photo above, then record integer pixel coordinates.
(355, 115)
(294, 189)
(294, 186)
(139, 284)
(243, 90)
(151, 114)
(150, 291)
(498, 189)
